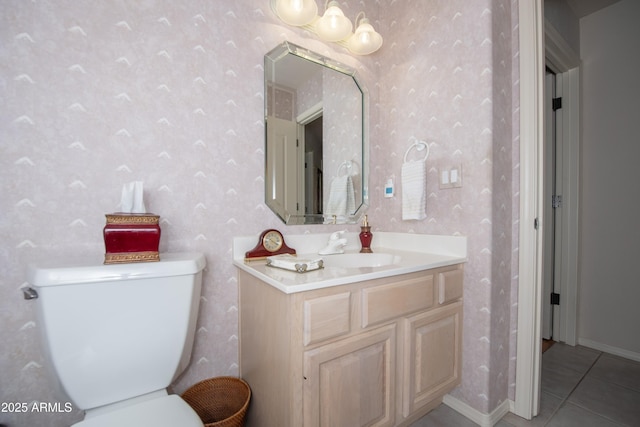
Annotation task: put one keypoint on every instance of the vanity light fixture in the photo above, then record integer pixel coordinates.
(333, 26)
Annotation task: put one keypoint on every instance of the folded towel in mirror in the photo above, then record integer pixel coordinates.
(342, 198)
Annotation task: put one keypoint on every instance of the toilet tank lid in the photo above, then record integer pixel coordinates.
(69, 272)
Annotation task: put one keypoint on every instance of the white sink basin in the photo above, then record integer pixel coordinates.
(361, 260)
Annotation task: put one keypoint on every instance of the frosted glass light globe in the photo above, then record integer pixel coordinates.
(365, 40)
(333, 26)
(297, 12)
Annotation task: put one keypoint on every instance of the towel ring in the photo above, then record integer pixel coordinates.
(419, 145)
(347, 165)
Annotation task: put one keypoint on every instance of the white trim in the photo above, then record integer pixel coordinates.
(480, 418)
(528, 353)
(609, 349)
(551, 251)
(310, 114)
(560, 56)
(569, 89)
(558, 213)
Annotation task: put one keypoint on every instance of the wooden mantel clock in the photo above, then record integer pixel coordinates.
(271, 242)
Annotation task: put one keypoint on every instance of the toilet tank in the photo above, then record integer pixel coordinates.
(113, 332)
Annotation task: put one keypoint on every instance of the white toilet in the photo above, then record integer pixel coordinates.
(117, 336)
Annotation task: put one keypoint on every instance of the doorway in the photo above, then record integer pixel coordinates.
(560, 203)
(552, 202)
(311, 136)
(313, 156)
(537, 41)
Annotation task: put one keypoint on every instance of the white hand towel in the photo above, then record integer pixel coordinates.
(351, 197)
(414, 190)
(341, 196)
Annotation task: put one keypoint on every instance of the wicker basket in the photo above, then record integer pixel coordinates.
(220, 401)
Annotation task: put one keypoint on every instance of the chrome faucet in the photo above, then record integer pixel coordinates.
(336, 244)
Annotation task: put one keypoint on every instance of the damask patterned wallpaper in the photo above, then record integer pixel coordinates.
(98, 94)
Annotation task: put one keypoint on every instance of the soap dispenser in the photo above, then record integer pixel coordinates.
(365, 236)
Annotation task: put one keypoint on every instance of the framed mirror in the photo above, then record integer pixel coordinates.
(316, 146)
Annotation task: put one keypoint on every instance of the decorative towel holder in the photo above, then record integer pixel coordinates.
(348, 165)
(418, 145)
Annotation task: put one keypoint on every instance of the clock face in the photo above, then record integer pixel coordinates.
(272, 241)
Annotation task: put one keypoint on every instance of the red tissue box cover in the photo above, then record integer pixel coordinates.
(131, 238)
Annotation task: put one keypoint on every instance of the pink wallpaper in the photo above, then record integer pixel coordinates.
(447, 79)
(97, 94)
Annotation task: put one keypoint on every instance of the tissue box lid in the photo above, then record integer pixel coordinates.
(123, 218)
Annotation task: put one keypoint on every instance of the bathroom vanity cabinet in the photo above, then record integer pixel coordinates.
(380, 352)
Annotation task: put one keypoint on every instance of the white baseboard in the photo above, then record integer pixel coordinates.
(482, 419)
(610, 349)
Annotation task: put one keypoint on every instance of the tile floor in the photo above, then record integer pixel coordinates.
(581, 387)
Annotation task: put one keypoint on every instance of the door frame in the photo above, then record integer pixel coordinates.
(533, 53)
(528, 351)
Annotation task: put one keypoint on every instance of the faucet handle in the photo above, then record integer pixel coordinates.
(335, 244)
(337, 235)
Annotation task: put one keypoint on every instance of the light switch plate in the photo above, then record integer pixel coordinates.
(450, 176)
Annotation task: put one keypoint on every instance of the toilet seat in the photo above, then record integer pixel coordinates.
(166, 411)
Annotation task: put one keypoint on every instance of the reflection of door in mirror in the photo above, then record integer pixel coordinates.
(282, 162)
(285, 176)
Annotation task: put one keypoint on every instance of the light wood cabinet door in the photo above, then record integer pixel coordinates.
(351, 382)
(433, 341)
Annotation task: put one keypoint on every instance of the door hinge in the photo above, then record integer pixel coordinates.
(556, 202)
(555, 299)
(536, 223)
(556, 103)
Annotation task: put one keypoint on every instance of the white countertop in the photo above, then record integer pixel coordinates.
(417, 252)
